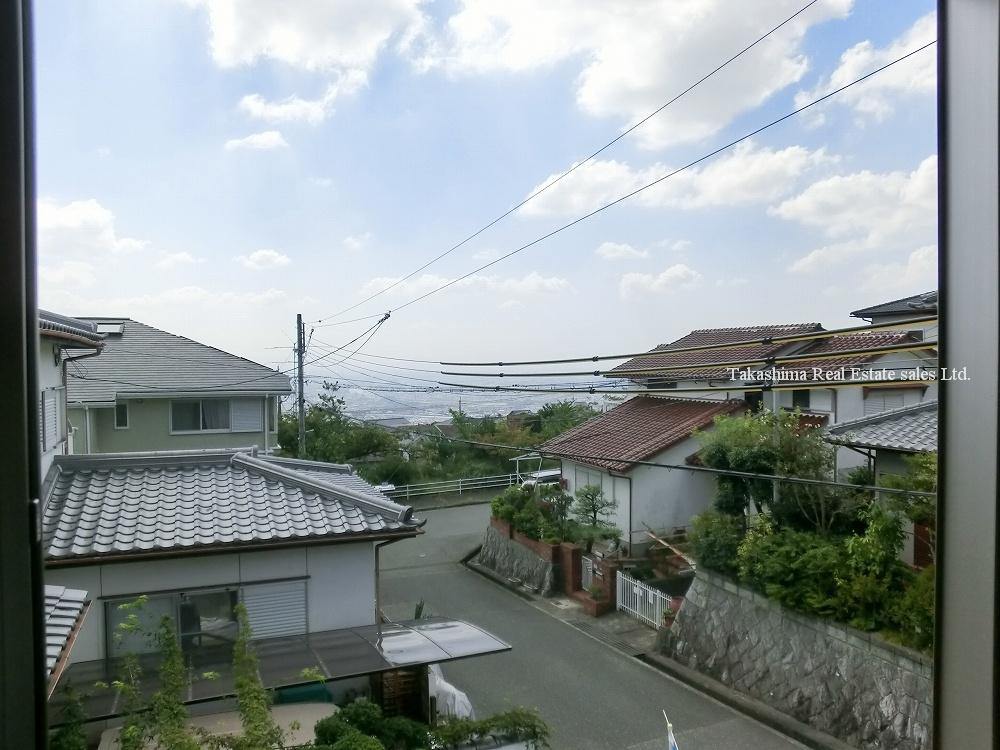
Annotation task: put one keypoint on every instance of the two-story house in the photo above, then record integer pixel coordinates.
(62, 341)
(904, 310)
(153, 390)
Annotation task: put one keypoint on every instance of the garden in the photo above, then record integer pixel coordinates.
(828, 551)
(159, 718)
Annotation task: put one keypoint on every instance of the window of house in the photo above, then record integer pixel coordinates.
(880, 400)
(121, 416)
(754, 399)
(49, 407)
(800, 399)
(660, 384)
(247, 414)
(200, 415)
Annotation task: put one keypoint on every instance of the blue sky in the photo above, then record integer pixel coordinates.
(214, 167)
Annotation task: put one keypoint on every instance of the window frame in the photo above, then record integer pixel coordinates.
(201, 417)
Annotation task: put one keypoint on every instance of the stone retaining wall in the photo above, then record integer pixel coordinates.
(511, 559)
(852, 685)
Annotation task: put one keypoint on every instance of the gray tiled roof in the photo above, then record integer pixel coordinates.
(146, 360)
(917, 304)
(912, 429)
(63, 327)
(63, 608)
(137, 503)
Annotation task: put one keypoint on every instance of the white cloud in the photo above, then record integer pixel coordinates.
(677, 276)
(619, 251)
(355, 243)
(322, 182)
(104, 152)
(876, 97)
(320, 35)
(260, 260)
(530, 284)
(681, 245)
(70, 273)
(188, 295)
(173, 260)
(736, 281)
(268, 139)
(633, 56)
(296, 109)
(510, 304)
(80, 227)
(866, 212)
(918, 272)
(745, 175)
(488, 254)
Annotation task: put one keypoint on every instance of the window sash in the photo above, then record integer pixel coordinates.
(121, 416)
(200, 415)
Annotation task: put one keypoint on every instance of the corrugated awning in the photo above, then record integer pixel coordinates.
(334, 654)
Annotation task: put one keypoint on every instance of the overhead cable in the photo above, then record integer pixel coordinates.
(574, 167)
(660, 179)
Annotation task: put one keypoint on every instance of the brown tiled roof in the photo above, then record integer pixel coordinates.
(851, 342)
(701, 361)
(637, 429)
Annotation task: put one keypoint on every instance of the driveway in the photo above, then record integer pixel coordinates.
(591, 695)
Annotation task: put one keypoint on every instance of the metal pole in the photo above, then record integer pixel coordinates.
(299, 355)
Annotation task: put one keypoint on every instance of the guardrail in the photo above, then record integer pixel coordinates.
(467, 484)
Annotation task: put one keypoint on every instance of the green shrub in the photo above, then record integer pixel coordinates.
(529, 521)
(522, 724)
(400, 733)
(796, 568)
(715, 538)
(456, 732)
(363, 715)
(913, 612)
(330, 730)
(357, 741)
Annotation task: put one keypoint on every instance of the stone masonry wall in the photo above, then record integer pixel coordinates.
(510, 559)
(852, 685)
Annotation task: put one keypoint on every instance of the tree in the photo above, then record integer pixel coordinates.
(594, 511)
(776, 443)
(333, 436)
(921, 476)
(260, 730)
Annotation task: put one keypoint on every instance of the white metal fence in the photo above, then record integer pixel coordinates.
(586, 573)
(405, 492)
(641, 601)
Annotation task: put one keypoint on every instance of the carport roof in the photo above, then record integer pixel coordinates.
(335, 654)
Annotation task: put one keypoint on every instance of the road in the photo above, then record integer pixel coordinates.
(592, 696)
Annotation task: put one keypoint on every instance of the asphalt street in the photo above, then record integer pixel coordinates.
(591, 695)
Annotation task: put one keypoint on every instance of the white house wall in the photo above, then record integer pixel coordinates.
(340, 588)
(50, 378)
(660, 498)
(579, 475)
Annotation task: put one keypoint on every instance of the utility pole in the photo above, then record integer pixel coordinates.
(299, 356)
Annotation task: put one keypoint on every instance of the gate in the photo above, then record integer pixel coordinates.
(641, 601)
(586, 573)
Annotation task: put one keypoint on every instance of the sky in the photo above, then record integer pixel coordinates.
(214, 167)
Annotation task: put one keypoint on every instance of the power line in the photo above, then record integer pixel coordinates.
(790, 338)
(575, 166)
(724, 365)
(779, 478)
(805, 385)
(660, 179)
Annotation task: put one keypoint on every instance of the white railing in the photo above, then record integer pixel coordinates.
(641, 601)
(405, 492)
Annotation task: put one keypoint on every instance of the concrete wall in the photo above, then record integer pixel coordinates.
(511, 559)
(149, 430)
(340, 590)
(852, 685)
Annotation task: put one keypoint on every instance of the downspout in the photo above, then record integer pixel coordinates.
(86, 409)
(833, 404)
(267, 419)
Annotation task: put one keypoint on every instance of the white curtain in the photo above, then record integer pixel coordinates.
(215, 414)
